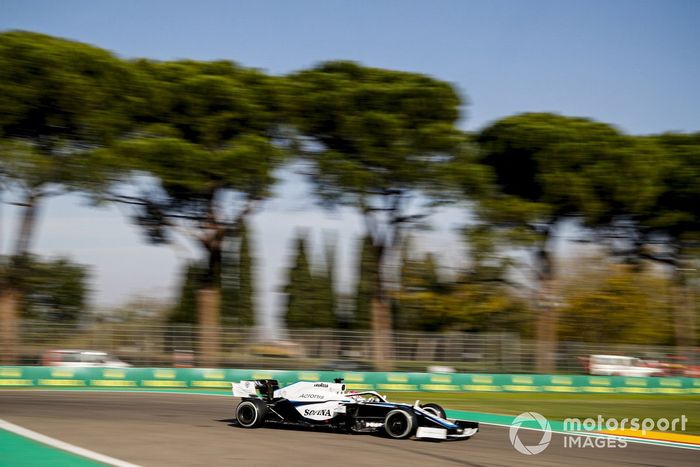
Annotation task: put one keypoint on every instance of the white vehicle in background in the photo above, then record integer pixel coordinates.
(617, 365)
(82, 358)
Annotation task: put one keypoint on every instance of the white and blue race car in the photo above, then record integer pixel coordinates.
(329, 404)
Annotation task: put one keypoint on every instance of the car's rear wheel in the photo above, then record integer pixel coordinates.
(434, 409)
(251, 413)
(400, 423)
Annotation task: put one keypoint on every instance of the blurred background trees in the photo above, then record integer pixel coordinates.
(60, 101)
(191, 149)
(238, 286)
(199, 159)
(53, 289)
(378, 137)
(615, 303)
(549, 168)
(310, 289)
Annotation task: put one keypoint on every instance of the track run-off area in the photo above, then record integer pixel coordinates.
(153, 429)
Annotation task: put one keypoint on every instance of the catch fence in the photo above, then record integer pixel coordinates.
(148, 345)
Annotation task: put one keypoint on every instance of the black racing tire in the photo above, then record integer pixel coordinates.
(251, 413)
(400, 423)
(434, 409)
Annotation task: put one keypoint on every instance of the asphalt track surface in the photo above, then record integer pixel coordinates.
(153, 429)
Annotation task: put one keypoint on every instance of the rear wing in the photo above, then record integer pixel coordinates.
(257, 388)
(244, 389)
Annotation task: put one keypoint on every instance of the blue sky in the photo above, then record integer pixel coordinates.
(632, 63)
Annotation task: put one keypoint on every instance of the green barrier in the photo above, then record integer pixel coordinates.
(203, 378)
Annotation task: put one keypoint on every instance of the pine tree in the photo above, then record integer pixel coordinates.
(246, 292)
(300, 290)
(237, 306)
(324, 280)
(366, 281)
(185, 311)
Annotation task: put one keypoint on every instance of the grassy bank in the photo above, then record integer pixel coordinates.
(561, 406)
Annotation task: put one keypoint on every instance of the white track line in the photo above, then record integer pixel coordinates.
(33, 435)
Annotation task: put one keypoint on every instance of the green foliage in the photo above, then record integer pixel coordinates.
(237, 307)
(366, 285)
(185, 310)
(237, 297)
(299, 311)
(205, 140)
(551, 166)
(377, 138)
(617, 306)
(56, 90)
(245, 312)
(377, 129)
(475, 301)
(207, 135)
(464, 306)
(310, 292)
(325, 284)
(59, 100)
(52, 289)
(675, 212)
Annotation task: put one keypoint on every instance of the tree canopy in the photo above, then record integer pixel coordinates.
(192, 148)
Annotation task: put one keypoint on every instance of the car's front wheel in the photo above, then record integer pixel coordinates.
(251, 413)
(434, 409)
(400, 423)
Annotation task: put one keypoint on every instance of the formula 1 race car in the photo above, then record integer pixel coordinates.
(329, 404)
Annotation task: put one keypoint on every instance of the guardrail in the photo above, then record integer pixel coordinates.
(159, 345)
(200, 378)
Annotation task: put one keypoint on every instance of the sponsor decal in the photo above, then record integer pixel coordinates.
(321, 412)
(310, 396)
(320, 385)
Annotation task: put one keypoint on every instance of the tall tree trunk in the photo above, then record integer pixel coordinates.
(208, 309)
(10, 295)
(1, 213)
(209, 304)
(547, 315)
(683, 311)
(26, 228)
(382, 343)
(9, 329)
(245, 314)
(382, 336)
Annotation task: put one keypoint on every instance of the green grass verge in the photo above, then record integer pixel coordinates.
(16, 450)
(562, 406)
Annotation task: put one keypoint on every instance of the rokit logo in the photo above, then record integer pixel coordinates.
(322, 412)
